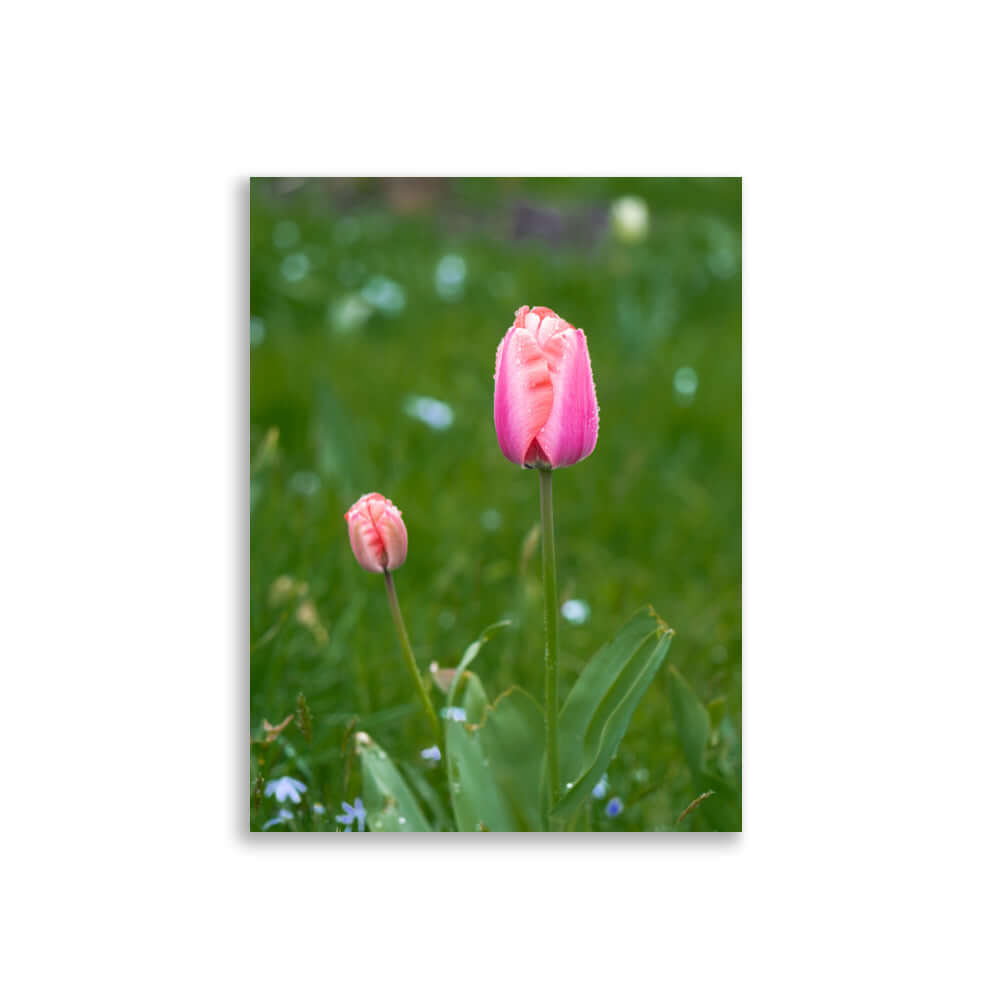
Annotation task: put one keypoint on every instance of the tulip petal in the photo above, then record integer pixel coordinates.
(392, 532)
(523, 395)
(570, 432)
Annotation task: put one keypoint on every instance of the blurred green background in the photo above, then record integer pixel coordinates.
(376, 309)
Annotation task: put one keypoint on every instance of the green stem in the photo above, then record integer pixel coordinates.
(404, 641)
(551, 637)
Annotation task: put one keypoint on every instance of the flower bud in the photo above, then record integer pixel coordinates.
(544, 403)
(377, 532)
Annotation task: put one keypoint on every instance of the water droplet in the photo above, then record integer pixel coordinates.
(569, 785)
(402, 820)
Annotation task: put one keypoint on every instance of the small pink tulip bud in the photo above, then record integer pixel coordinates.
(378, 535)
(544, 403)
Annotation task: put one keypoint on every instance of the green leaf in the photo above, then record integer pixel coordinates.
(475, 796)
(512, 736)
(430, 798)
(495, 761)
(389, 803)
(473, 698)
(692, 721)
(599, 708)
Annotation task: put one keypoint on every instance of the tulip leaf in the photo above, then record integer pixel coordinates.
(475, 795)
(390, 805)
(692, 720)
(599, 708)
(473, 698)
(512, 736)
(495, 762)
(429, 797)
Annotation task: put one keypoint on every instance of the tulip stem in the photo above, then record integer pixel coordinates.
(551, 637)
(411, 662)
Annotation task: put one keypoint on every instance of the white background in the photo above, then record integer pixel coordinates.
(865, 135)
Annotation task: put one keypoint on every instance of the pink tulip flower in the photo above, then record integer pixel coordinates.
(378, 535)
(544, 403)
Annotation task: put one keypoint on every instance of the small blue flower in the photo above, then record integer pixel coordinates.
(431, 753)
(283, 815)
(601, 788)
(318, 809)
(614, 807)
(352, 813)
(285, 788)
(454, 713)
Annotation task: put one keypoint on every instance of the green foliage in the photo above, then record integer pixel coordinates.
(495, 763)
(691, 718)
(599, 708)
(390, 804)
(476, 797)
(714, 780)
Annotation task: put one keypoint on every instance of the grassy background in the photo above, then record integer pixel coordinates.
(352, 313)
